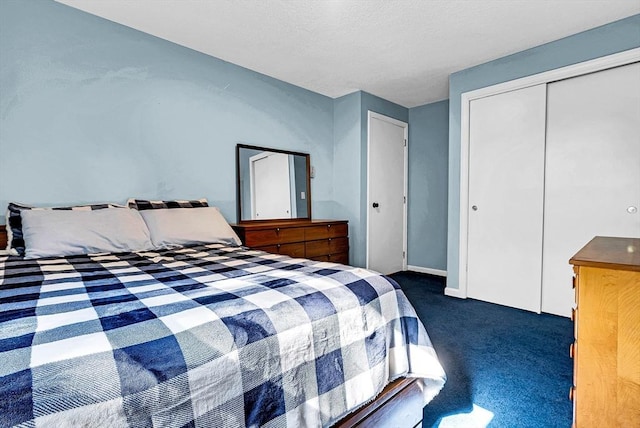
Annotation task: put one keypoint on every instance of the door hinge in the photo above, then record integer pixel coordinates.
(403, 255)
(405, 142)
(404, 199)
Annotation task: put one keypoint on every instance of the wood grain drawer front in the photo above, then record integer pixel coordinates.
(334, 230)
(291, 250)
(322, 240)
(326, 246)
(342, 258)
(607, 353)
(277, 235)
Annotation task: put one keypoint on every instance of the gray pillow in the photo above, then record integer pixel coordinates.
(52, 233)
(15, 241)
(188, 226)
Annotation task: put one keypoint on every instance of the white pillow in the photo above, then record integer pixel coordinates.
(53, 233)
(187, 226)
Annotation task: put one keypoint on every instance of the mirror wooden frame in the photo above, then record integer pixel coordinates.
(239, 187)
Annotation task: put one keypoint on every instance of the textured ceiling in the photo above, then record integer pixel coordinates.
(401, 50)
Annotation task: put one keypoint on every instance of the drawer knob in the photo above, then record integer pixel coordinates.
(277, 230)
(328, 226)
(572, 350)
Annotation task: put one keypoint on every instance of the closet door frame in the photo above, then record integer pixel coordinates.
(591, 66)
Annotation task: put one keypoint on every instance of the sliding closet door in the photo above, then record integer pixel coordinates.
(506, 176)
(592, 180)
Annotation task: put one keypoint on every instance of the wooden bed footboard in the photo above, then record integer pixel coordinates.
(399, 405)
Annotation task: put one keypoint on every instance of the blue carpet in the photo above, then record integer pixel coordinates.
(505, 367)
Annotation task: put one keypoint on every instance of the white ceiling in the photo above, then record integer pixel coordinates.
(402, 50)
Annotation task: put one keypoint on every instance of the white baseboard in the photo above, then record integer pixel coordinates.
(430, 271)
(454, 292)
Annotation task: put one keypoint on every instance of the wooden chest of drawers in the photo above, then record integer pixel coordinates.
(322, 240)
(606, 391)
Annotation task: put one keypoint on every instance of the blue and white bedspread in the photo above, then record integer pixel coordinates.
(207, 336)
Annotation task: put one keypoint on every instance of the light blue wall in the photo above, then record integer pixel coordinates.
(94, 111)
(428, 168)
(601, 41)
(378, 105)
(346, 170)
(350, 162)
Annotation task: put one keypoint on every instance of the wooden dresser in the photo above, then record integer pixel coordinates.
(322, 240)
(606, 391)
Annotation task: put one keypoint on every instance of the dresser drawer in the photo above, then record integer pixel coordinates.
(342, 258)
(291, 250)
(326, 240)
(326, 231)
(326, 246)
(606, 319)
(277, 235)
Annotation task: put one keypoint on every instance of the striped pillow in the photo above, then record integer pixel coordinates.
(15, 237)
(143, 204)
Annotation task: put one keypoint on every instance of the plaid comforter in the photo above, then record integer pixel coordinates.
(209, 336)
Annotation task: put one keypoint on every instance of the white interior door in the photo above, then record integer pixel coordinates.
(386, 194)
(270, 186)
(592, 171)
(506, 176)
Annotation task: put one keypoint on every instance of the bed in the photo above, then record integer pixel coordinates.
(212, 335)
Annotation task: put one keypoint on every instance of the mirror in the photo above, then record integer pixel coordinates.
(272, 184)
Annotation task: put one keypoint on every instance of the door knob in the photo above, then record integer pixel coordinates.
(376, 205)
(475, 208)
(632, 210)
